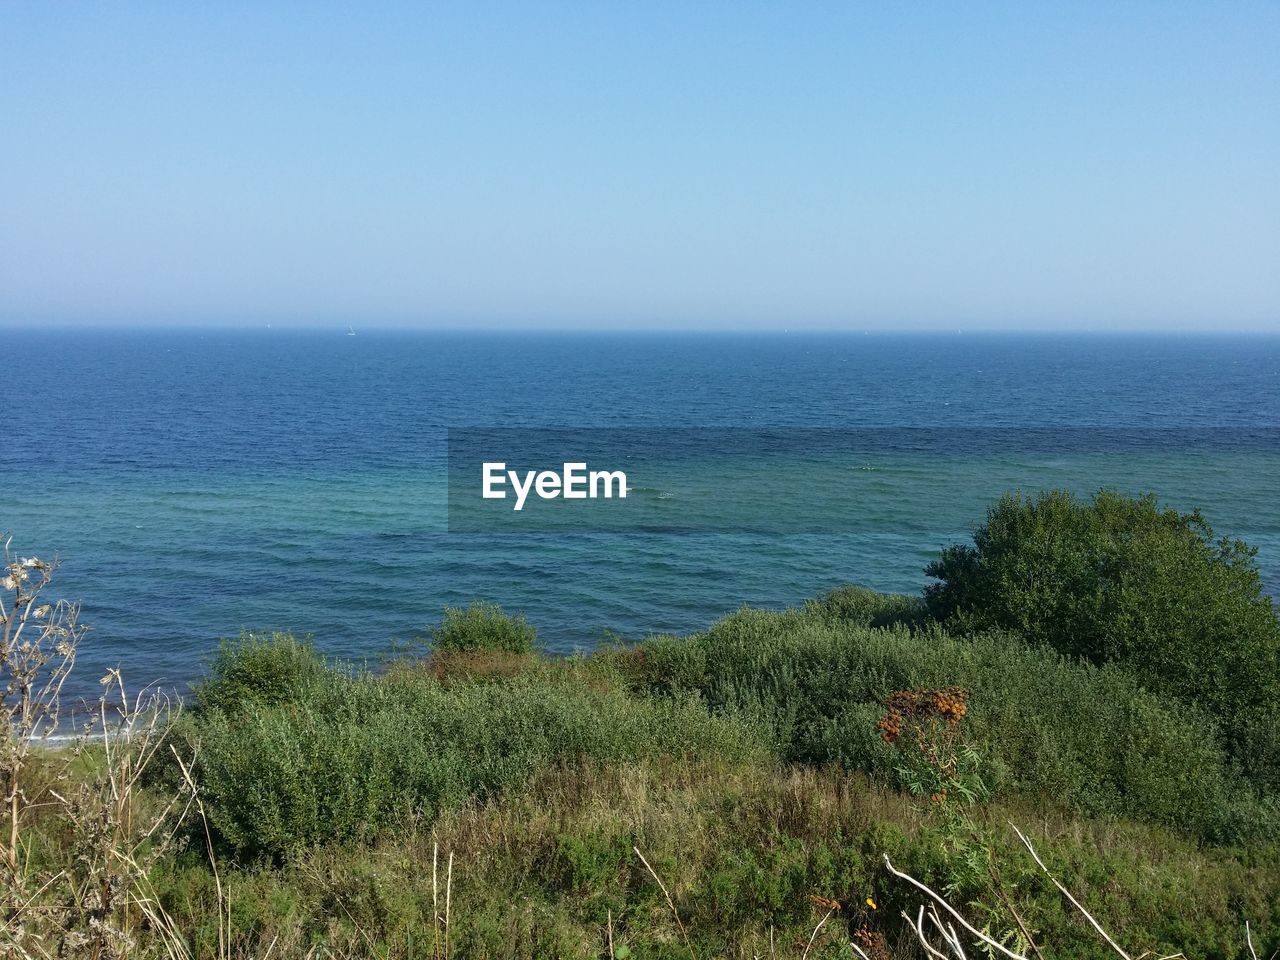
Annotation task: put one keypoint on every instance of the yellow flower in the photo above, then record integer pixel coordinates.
(871, 903)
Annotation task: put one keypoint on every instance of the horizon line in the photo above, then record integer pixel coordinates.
(685, 329)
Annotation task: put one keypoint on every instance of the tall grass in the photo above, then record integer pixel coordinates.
(549, 870)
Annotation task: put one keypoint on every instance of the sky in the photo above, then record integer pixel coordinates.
(886, 166)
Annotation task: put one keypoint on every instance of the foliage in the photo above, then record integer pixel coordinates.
(1120, 580)
(258, 668)
(548, 871)
(483, 627)
(927, 728)
(700, 796)
(861, 607)
(1061, 732)
(1258, 740)
(347, 754)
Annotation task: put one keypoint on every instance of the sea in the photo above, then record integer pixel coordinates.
(197, 483)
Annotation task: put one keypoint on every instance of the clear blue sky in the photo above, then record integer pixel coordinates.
(652, 164)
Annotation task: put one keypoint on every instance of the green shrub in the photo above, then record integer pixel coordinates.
(349, 754)
(869, 608)
(1258, 740)
(1057, 731)
(1119, 580)
(483, 627)
(258, 668)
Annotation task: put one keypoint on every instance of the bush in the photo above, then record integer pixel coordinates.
(1049, 729)
(483, 627)
(258, 668)
(1118, 580)
(869, 608)
(1258, 741)
(348, 754)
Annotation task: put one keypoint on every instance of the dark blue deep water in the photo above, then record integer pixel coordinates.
(198, 483)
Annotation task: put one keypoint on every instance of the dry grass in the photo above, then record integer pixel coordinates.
(82, 838)
(84, 888)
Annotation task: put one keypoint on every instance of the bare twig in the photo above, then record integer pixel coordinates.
(448, 900)
(1067, 893)
(1017, 918)
(941, 940)
(814, 936)
(938, 899)
(670, 903)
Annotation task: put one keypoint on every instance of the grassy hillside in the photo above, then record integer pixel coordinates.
(733, 793)
(746, 765)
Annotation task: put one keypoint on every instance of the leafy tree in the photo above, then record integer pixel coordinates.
(1119, 579)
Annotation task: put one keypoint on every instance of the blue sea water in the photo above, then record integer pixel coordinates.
(198, 483)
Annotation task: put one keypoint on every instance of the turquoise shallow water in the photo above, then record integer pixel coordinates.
(199, 483)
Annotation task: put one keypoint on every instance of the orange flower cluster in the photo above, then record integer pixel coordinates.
(945, 707)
